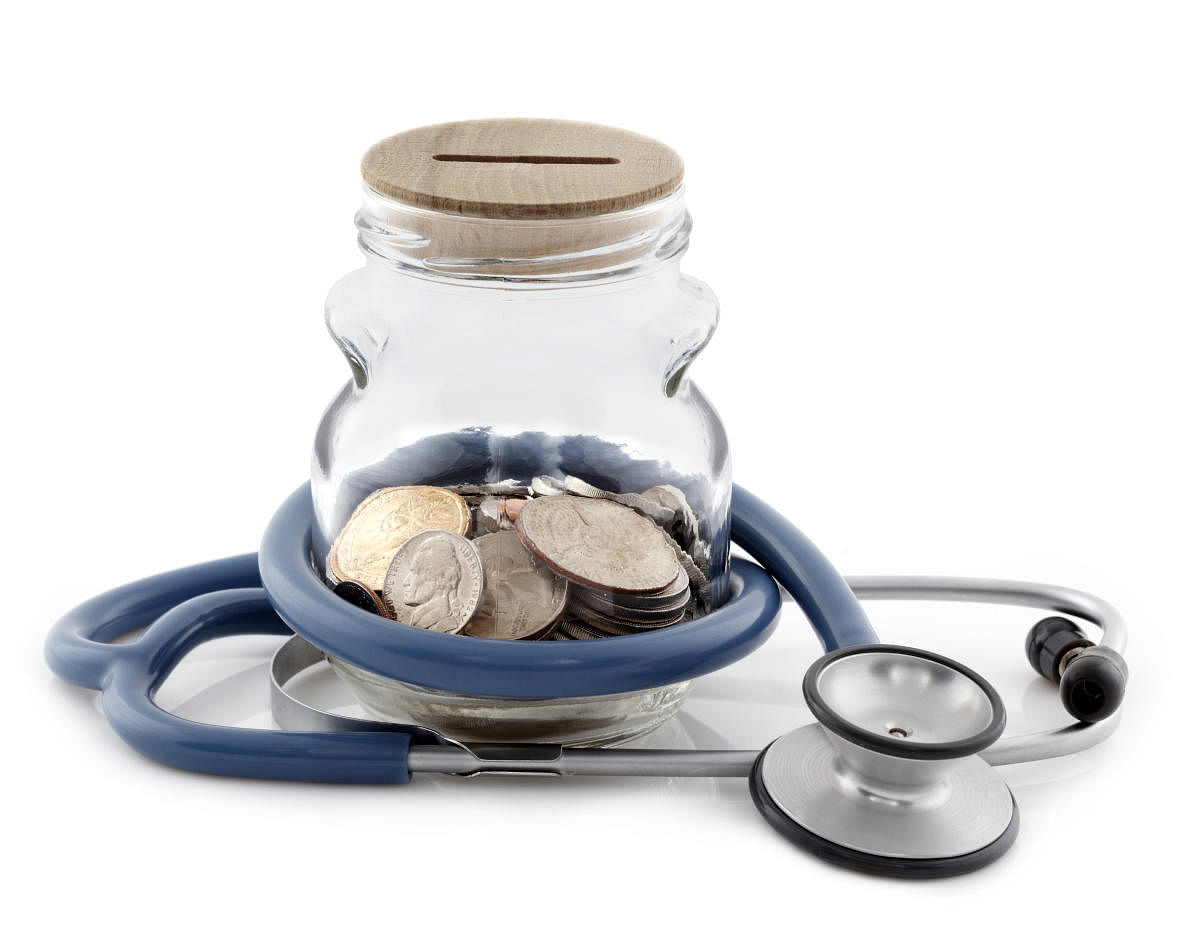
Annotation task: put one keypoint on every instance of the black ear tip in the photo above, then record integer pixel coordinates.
(1093, 684)
(1090, 678)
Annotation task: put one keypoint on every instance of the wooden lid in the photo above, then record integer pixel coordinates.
(522, 168)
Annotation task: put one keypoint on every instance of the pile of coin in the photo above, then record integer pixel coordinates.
(555, 559)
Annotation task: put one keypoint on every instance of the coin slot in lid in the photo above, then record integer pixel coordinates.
(481, 169)
(523, 159)
(521, 199)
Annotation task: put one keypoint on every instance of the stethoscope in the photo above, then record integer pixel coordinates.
(896, 777)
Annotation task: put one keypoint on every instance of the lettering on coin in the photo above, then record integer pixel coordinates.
(435, 581)
(598, 543)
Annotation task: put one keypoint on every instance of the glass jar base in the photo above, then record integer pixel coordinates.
(606, 719)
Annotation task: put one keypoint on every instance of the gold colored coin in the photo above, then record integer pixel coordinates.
(386, 520)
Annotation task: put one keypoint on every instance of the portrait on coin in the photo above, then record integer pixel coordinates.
(431, 587)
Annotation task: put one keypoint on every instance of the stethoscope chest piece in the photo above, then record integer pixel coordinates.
(889, 780)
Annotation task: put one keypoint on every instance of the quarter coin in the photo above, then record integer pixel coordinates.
(521, 598)
(598, 543)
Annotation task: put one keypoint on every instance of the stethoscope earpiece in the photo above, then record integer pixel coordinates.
(889, 780)
(1091, 678)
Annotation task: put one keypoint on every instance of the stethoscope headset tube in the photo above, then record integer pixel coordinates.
(278, 591)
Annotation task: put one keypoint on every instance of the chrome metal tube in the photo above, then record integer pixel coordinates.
(432, 752)
(1067, 601)
(1052, 743)
(553, 760)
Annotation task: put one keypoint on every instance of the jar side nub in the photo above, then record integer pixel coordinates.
(692, 327)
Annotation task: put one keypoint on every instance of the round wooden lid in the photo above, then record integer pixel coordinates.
(522, 168)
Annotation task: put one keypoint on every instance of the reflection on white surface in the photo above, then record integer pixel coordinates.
(745, 706)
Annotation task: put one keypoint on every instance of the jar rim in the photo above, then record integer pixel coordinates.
(537, 251)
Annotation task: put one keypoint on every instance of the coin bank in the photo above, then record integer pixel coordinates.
(522, 319)
(515, 544)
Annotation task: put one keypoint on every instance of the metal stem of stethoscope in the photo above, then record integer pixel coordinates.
(893, 778)
(1079, 604)
(432, 752)
(896, 775)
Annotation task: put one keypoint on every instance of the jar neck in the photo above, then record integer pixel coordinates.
(526, 253)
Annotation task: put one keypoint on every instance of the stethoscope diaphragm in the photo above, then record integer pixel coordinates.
(889, 780)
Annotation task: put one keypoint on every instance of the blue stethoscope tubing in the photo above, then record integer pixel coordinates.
(277, 592)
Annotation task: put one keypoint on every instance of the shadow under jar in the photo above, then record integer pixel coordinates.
(522, 313)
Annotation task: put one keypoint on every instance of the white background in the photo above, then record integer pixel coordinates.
(956, 247)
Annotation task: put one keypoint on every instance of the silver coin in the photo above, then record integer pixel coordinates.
(487, 516)
(599, 543)
(645, 619)
(618, 627)
(435, 581)
(666, 505)
(675, 595)
(645, 615)
(522, 597)
(573, 485)
(685, 527)
(542, 485)
(610, 629)
(577, 629)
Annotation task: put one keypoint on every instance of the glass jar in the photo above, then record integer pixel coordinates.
(537, 324)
